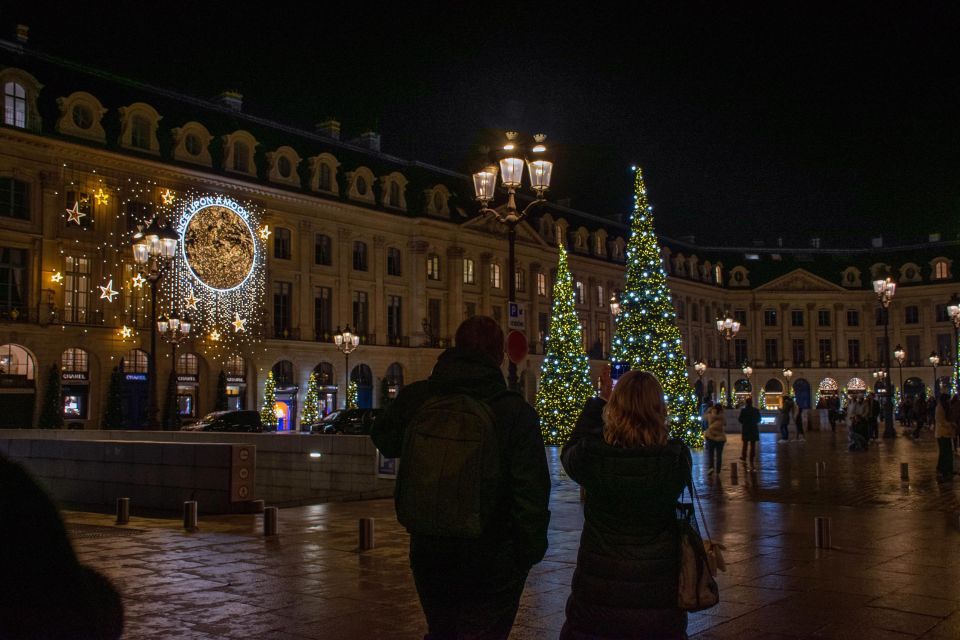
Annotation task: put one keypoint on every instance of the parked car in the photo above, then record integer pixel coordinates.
(354, 422)
(237, 421)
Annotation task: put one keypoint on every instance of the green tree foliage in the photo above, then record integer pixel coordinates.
(113, 408)
(267, 416)
(51, 412)
(647, 335)
(311, 403)
(352, 395)
(565, 374)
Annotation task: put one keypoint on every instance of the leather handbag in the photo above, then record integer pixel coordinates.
(699, 560)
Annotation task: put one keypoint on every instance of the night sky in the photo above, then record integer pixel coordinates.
(750, 122)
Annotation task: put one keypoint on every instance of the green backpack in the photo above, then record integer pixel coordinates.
(449, 468)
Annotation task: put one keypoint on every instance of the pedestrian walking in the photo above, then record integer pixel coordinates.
(919, 415)
(783, 418)
(715, 438)
(858, 429)
(798, 421)
(628, 565)
(749, 433)
(873, 416)
(478, 523)
(944, 431)
(955, 417)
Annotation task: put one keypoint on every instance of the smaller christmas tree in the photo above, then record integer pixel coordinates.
(113, 408)
(221, 402)
(267, 416)
(311, 403)
(51, 416)
(171, 410)
(352, 395)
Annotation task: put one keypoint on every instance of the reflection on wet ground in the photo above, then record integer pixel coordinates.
(893, 571)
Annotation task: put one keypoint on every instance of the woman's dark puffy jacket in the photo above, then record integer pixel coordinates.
(625, 583)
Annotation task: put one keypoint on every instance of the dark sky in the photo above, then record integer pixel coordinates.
(751, 120)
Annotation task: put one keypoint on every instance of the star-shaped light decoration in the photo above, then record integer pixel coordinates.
(238, 323)
(107, 293)
(126, 332)
(57, 277)
(215, 336)
(265, 232)
(74, 214)
(192, 301)
(101, 196)
(137, 281)
(167, 197)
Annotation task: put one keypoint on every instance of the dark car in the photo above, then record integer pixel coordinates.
(236, 421)
(354, 422)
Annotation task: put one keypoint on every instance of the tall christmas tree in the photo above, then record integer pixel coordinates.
(51, 412)
(311, 403)
(352, 395)
(565, 374)
(267, 416)
(647, 335)
(221, 404)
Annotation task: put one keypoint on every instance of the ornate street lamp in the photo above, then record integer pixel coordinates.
(900, 355)
(153, 251)
(727, 327)
(953, 310)
(700, 367)
(885, 289)
(511, 162)
(347, 342)
(748, 371)
(934, 361)
(615, 304)
(787, 374)
(174, 331)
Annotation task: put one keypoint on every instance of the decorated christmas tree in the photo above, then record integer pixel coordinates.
(311, 403)
(565, 376)
(267, 416)
(352, 395)
(647, 335)
(113, 406)
(51, 413)
(221, 402)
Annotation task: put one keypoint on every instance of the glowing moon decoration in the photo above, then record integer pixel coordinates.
(219, 246)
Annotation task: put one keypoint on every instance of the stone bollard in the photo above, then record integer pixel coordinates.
(366, 534)
(123, 510)
(257, 506)
(821, 533)
(190, 515)
(270, 515)
(734, 471)
(904, 471)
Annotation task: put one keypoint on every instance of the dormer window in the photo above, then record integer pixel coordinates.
(394, 190)
(361, 186)
(138, 127)
(282, 166)
(238, 150)
(718, 274)
(433, 267)
(139, 132)
(940, 269)
(80, 115)
(323, 173)
(192, 144)
(241, 156)
(325, 178)
(394, 194)
(14, 105)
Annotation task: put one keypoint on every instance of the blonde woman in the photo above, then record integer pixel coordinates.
(625, 584)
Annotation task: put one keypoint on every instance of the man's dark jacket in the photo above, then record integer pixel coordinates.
(518, 527)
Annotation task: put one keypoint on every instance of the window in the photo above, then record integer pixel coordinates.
(283, 373)
(134, 361)
(282, 309)
(770, 352)
(468, 274)
(681, 309)
(740, 315)
(394, 265)
(695, 311)
(137, 212)
(82, 116)
(769, 317)
(913, 349)
(235, 367)
(359, 256)
(940, 312)
(281, 243)
(284, 167)
(542, 324)
(241, 156)
(739, 351)
(469, 309)
(853, 353)
(322, 250)
(74, 361)
(598, 245)
(796, 317)
(323, 313)
(361, 186)
(495, 275)
(361, 313)
(911, 314)
(135, 300)
(76, 287)
(718, 274)
(941, 271)
(325, 182)
(602, 334)
(825, 350)
(13, 199)
(578, 293)
(433, 267)
(84, 204)
(520, 279)
(600, 300)
(394, 328)
(394, 194)
(13, 280)
(192, 144)
(946, 347)
(853, 318)
(434, 317)
(140, 132)
(541, 284)
(188, 364)
(879, 316)
(823, 317)
(14, 105)
(799, 351)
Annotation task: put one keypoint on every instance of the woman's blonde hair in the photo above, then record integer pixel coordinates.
(636, 414)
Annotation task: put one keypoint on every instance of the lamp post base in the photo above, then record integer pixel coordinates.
(889, 431)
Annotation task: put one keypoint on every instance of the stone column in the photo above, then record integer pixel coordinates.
(343, 310)
(304, 283)
(786, 346)
(454, 290)
(813, 336)
(378, 301)
(839, 335)
(417, 309)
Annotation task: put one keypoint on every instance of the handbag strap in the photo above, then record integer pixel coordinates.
(693, 492)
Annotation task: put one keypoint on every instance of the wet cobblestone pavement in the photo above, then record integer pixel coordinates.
(893, 571)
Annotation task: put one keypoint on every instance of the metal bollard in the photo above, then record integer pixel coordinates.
(821, 533)
(821, 469)
(123, 510)
(583, 494)
(190, 515)
(270, 521)
(733, 472)
(366, 534)
(904, 471)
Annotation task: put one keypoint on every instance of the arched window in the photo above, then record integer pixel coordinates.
(394, 194)
(14, 105)
(468, 274)
(74, 361)
(433, 267)
(359, 256)
(325, 180)
(241, 156)
(135, 361)
(140, 132)
(235, 367)
(718, 274)
(283, 374)
(188, 364)
(323, 373)
(941, 270)
(495, 275)
(394, 375)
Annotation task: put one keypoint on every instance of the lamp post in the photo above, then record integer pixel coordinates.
(347, 342)
(615, 304)
(885, 289)
(153, 250)
(748, 371)
(700, 367)
(900, 355)
(511, 177)
(787, 374)
(174, 331)
(727, 327)
(953, 310)
(934, 361)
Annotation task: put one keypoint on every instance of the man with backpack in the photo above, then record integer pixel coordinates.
(473, 486)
